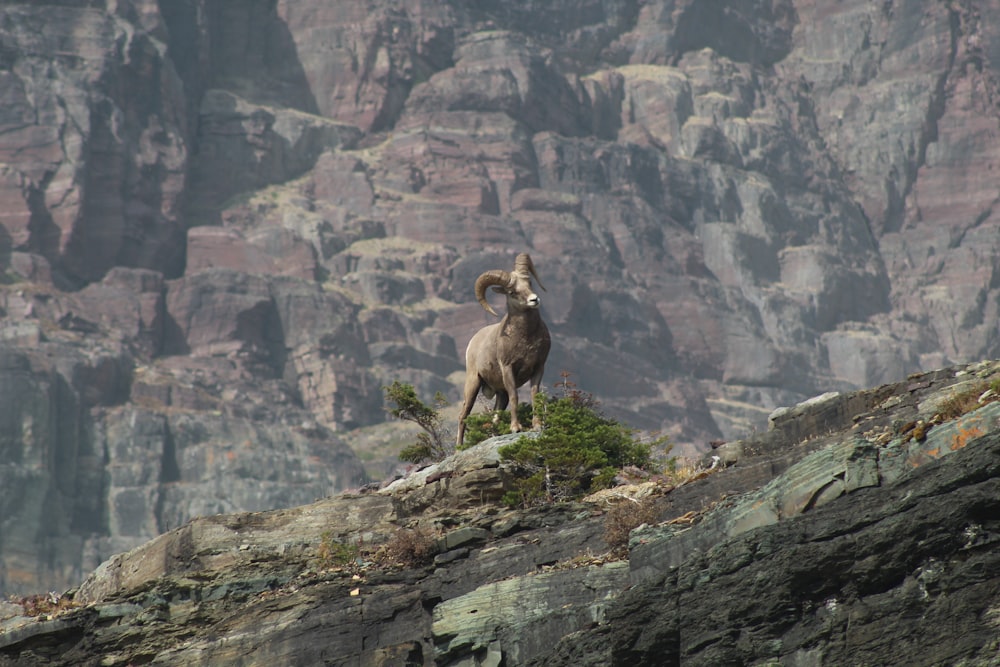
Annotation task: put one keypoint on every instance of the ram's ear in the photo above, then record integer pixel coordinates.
(498, 290)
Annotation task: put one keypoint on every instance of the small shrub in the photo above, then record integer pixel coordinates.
(578, 451)
(334, 553)
(408, 547)
(485, 425)
(42, 604)
(625, 517)
(434, 443)
(10, 278)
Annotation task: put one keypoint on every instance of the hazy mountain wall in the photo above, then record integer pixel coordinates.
(225, 225)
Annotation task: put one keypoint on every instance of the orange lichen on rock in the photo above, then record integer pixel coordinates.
(964, 435)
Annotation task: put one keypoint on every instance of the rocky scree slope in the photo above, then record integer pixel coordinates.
(225, 225)
(861, 528)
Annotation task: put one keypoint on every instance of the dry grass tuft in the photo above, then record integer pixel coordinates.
(408, 547)
(963, 402)
(44, 604)
(625, 517)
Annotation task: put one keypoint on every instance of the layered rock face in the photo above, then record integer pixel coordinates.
(841, 535)
(103, 449)
(251, 215)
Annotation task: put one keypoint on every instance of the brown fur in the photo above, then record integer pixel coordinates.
(503, 356)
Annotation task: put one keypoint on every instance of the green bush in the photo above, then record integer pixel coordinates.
(434, 443)
(482, 425)
(579, 451)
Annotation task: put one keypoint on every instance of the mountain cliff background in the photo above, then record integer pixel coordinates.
(226, 224)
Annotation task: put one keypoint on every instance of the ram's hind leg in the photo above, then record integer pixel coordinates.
(536, 383)
(472, 386)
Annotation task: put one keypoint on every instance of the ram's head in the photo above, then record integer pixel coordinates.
(515, 285)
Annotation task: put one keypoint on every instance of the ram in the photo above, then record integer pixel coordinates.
(503, 356)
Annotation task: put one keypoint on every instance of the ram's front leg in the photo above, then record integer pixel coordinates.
(511, 387)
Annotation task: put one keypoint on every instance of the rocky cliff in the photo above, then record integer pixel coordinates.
(225, 225)
(860, 528)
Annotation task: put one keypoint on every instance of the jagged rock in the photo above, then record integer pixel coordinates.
(468, 478)
(85, 477)
(31, 267)
(760, 32)
(401, 47)
(248, 146)
(225, 541)
(656, 105)
(277, 328)
(857, 353)
(508, 621)
(501, 71)
(276, 251)
(836, 470)
(898, 561)
(454, 159)
(221, 312)
(132, 302)
(535, 199)
(95, 180)
(384, 287)
(165, 469)
(52, 473)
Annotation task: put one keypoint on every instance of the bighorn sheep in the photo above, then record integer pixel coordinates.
(501, 357)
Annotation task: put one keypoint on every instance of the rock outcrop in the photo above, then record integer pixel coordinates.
(860, 528)
(271, 209)
(103, 448)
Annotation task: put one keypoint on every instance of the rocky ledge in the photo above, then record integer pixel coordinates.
(860, 528)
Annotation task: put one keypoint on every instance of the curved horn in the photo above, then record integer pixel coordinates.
(487, 279)
(523, 265)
